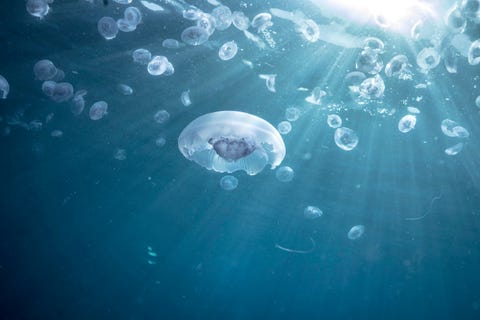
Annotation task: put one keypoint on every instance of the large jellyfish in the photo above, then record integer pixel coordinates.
(229, 141)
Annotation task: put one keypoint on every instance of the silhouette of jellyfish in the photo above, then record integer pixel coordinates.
(229, 141)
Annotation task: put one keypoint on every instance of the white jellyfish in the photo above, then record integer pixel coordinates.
(356, 232)
(98, 110)
(269, 81)
(223, 17)
(334, 121)
(37, 8)
(240, 20)
(316, 96)
(428, 58)
(185, 98)
(4, 87)
(474, 53)
(171, 44)
(228, 50)
(292, 114)
(161, 116)
(229, 141)
(194, 36)
(262, 21)
(407, 123)
(345, 138)
(157, 66)
(284, 127)
(312, 212)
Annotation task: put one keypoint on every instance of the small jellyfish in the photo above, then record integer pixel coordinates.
(477, 101)
(125, 26)
(120, 154)
(185, 98)
(44, 70)
(316, 96)
(194, 36)
(78, 102)
(372, 88)
(345, 138)
(262, 21)
(48, 87)
(450, 59)
(308, 29)
(470, 9)
(4, 87)
(284, 127)
(228, 50)
(228, 183)
(474, 53)
(223, 17)
(207, 23)
(152, 6)
(63, 91)
(160, 141)
(229, 141)
(455, 20)
(284, 174)
(169, 69)
(397, 67)
(428, 58)
(98, 110)
(312, 212)
(334, 121)
(132, 15)
(292, 114)
(413, 110)
(240, 20)
(356, 232)
(451, 129)
(161, 116)
(171, 44)
(454, 150)
(369, 61)
(37, 8)
(374, 44)
(142, 56)
(126, 90)
(157, 65)
(269, 81)
(107, 27)
(407, 123)
(192, 13)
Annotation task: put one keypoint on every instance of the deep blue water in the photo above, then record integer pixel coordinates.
(77, 224)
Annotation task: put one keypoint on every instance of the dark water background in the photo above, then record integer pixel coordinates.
(76, 223)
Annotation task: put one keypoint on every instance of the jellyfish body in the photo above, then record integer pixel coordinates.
(229, 141)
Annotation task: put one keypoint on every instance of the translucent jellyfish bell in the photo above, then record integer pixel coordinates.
(229, 141)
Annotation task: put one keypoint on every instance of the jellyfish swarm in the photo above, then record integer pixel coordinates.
(229, 141)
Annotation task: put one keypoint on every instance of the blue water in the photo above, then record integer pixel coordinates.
(86, 236)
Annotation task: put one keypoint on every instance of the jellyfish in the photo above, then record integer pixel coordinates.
(194, 36)
(107, 27)
(229, 141)
(4, 88)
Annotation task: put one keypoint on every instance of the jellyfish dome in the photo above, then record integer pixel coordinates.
(229, 141)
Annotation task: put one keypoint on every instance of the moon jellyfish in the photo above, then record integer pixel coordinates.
(345, 138)
(356, 232)
(474, 53)
(228, 183)
(269, 81)
(44, 70)
(107, 27)
(450, 59)
(334, 121)
(428, 58)
(207, 22)
(451, 129)
(78, 102)
(477, 102)
(413, 110)
(284, 127)
(132, 15)
(374, 44)
(369, 61)
(308, 29)
(4, 87)
(312, 212)
(126, 90)
(125, 26)
(240, 20)
(371, 88)
(141, 56)
(120, 154)
(48, 87)
(37, 8)
(185, 98)
(397, 67)
(455, 20)
(316, 96)
(192, 13)
(454, 150)
(194, 36)
(284, 174)
(228, 50)
(229, 141)
(98, 110)
(470, 9)
(171, 44)
(262, 21)
(62, 92)
(161, 116)
(160, 141)
(223, 17)
(292, 114)
(407, 123)
(169, 69)
(157, 65)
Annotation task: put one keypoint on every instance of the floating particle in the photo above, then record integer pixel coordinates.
(228, 183)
